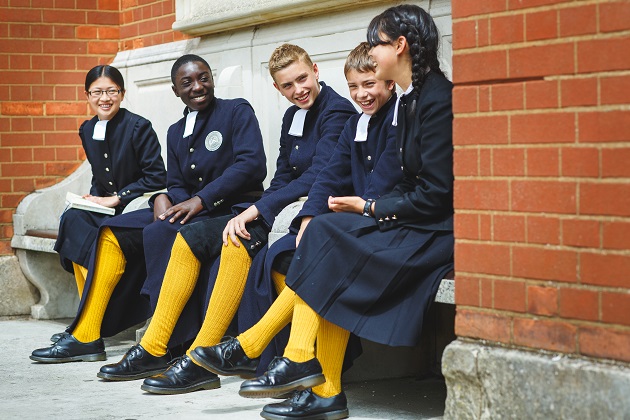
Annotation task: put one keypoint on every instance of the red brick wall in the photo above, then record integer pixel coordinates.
(542, 194)
(46, 47)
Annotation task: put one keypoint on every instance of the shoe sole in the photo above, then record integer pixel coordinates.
(213, 384)
(333, 415)
(94, 357)
(276, 391)
(135, 376)
(218, 371)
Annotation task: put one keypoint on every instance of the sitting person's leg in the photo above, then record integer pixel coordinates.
(80, 274)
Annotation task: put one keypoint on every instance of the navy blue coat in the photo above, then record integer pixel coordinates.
(127, 160)
(367, 169)
(220, 162)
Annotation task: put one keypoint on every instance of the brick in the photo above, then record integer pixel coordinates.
(551, 59)
(509, 295)
(543, 128)
(65, 93)
(466, 226)
(615, 90)
(86, 32)
(21, 169)
(483, 258)
(465, 162)
(101, 47)
(604, 269)
(541, 94)
(507, 96)
(508, 162)
(66, 16)
(467, 291)
(42, 62)
(543, 230)
(545, 334)
(487, 293)
(606, 126)
(22, 155)
(579, 92)
(616, 235)
(60, 168)
(506, 29)
(544, 263)
(61, 139)
(520, 4)
(20, 93)
(480, 66)
(64, 47)
(108, 33)
(485, 227)
(22, 45)
(165, 23)
(485, 162)
(543, 162)
(508, 228)
(581, 233)
(87, 4)
(20, 62)
(47, 182)
(126, 4)
(482, 325)
(606, 199)
(481, 195)
(578, 20)
(604, 342)
(64, 4)
(108, 4)
(582, 162)
(543, 196)
(614, 16)
(465, 99)
(43, 154)
(66, 124)
(21, 124)
(483, 32)
(471, 8)
(615, 308)
(21, 139)
(42, 124)
(541, 25)
(102, 18)
(21, 15)
(22, 108)
(579, 304)
(5, 216)
(542, 300)
(480, 130)
(63, 32)
(28, 78)
(17, 30)
(603, 55)
(42, 31)
(129, 31)
(24, 185)
(66, 153)
(65, 63)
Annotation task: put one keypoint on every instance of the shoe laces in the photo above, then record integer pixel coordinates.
(176, 361)
(298, 397)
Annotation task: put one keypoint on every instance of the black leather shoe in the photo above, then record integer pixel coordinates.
(69, 349)
(57, 336)
(182, 376)
(306, 405)
(283, 376)
(226, 358)
(137, 363)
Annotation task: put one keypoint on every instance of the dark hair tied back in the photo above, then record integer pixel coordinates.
(418, 27)
(104, 71)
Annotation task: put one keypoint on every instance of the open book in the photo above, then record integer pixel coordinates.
(75, 201)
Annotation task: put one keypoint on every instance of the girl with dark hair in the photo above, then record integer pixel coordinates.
(373, 266)
(124, 152)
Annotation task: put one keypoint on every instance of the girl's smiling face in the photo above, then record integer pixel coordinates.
(104, 97)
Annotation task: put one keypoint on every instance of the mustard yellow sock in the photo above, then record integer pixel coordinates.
(332, 341)
(255, 340)
(226, 295)
(80, 274)
(109, 267)
(179, 282)
(304, 326)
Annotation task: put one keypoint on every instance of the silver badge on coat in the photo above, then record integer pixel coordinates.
(214, 139)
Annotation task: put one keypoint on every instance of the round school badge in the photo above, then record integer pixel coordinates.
(214, 139)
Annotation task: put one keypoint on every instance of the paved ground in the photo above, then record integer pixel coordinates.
(30, 390)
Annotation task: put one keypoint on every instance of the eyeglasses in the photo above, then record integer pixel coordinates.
(98, 93)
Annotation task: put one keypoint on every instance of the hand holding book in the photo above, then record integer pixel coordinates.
(75, 201)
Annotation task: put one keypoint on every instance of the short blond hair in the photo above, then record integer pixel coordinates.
(359, 59)
(285, 55)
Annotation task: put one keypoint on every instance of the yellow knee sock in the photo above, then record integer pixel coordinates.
(304, 326)
(109, 267)
(80, 274)
(226, 295)
(332, 341)
(179, 282)
(255, 340)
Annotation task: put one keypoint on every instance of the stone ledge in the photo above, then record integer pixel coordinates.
(487, 382)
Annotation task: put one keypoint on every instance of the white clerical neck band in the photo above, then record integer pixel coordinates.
(297, 125)
(99, 130)
(191, 118)
(362, 127)
(407, 92)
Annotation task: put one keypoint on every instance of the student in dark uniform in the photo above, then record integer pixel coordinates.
(215, 158)
(310, 131)
(124, 152)
(374, 276)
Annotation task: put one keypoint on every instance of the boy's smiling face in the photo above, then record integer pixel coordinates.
(367, 91)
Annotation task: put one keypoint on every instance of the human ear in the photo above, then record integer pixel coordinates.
(401, 45)
(175, 91)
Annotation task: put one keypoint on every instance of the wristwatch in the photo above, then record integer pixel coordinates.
(367, 208)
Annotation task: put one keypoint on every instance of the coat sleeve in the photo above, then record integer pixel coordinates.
(148, 159)
(387, 172)
(427, 197)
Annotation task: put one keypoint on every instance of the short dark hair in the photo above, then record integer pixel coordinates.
(104, 71)
(185, 59)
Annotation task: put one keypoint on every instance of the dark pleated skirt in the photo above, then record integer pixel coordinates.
(376, 284)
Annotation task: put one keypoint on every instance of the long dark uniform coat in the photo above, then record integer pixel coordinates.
(128, 159)
(299, 162)
(367, 169)
(376, 277)
(220, 162)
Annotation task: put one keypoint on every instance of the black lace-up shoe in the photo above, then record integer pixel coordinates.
(283, 376)
(226, 358)
(137, 363)
(57, 336)
(182, 376)
(306, 405)
(69, 349)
